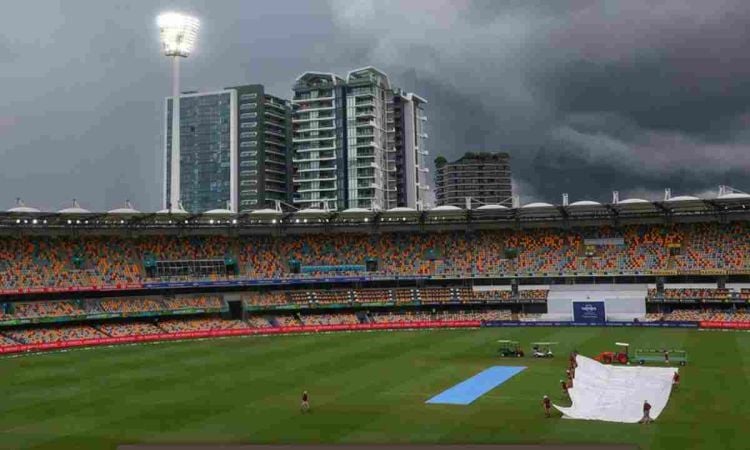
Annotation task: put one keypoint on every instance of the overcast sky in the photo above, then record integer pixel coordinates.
(586, 96)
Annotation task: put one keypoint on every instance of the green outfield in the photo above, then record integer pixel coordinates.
(364, 388)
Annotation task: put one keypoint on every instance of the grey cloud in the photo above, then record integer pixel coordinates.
(587, 96)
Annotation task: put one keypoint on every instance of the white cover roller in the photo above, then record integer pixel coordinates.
(617, 393)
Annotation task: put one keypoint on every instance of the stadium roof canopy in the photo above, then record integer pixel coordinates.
(725, 207)
(492, 207)
(218, 212)
(23, 210)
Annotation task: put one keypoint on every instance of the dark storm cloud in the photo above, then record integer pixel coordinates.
(587, 96)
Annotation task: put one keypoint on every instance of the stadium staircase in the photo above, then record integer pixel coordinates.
(101, 330)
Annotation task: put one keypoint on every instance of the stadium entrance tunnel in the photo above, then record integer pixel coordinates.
(235, 309)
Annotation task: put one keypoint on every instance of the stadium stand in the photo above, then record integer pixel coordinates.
(193, 301)
(132, 305)
(129, 329)
(46, 309)
(258, 322)
(5, 340)
(54, 334)
(61, 262)
(203, 324)
(330, 319)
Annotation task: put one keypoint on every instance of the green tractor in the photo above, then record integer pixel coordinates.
(510, 348)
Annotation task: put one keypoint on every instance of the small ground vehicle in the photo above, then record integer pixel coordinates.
(617, 357)
(542, 349)
(509, 348)
(666, 356)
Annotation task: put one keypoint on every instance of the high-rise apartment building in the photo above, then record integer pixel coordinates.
(358, 142)
(409, 166)
(319, 139)
(483, 177)
(235, 149)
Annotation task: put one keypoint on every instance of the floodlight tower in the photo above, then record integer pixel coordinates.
(178, 33)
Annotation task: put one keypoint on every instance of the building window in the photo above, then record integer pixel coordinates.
(249, 124)
(246, 106)
(249, 144)
(251, 96)
(250, 115)
(248, 134)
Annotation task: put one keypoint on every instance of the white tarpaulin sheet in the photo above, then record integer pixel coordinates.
(617, 393)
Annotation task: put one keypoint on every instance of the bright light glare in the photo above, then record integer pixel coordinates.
(178, 33)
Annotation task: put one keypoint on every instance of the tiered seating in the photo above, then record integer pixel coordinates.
(328, 297)
(4, 340)
(434, 295)
(177, 325)
(462, 294)
(301, 297)
(61, 262)
(266, 298)
(288, 321)
(54, 334)
(533, 294)
(193, 301)
(401, 317)
(692, 294)
(330, 319)
(404, 295)
(707, 314)
(258, 322)
(129, 329)
(46, 309)
(476, 315)
(492, 296)
(128, 305)
(373, 295)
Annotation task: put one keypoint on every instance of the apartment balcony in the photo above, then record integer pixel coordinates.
(315, 128)
(368, 145)
(275, 115)
(315, 178)
(274, 104)
(317, 200)
(367, 113)
(315, 149)
(314, 138)
(369, 123)
(306, 160)
(274, 133)
(270, 151)
(318, 189)
(307, 109)
(280, 172)
(298, 101)
(309, 119)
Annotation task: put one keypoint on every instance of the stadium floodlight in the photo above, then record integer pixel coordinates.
(178, 33)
